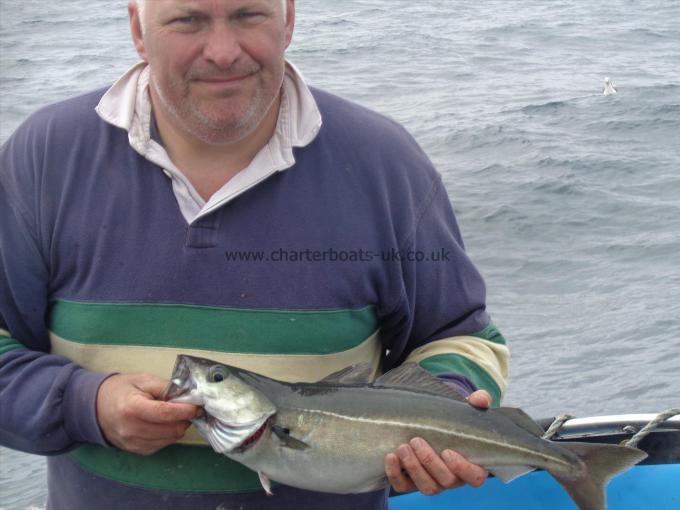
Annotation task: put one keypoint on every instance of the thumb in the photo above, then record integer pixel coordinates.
(150, 384)
(480, 399)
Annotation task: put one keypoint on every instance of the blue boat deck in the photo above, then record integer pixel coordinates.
(654, 487)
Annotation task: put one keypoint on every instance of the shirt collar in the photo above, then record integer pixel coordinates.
(127, 105)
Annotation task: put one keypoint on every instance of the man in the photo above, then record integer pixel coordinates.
(128, 220)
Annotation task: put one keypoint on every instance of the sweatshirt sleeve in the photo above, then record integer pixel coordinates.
(47, 402)
(440, 320)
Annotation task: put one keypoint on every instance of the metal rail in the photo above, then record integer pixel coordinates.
(623, 424)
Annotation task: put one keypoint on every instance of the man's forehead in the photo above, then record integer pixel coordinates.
(211, 4)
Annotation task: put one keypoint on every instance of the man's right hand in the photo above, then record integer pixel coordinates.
(131, 417)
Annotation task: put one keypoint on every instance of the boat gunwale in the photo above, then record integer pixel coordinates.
(597, 426)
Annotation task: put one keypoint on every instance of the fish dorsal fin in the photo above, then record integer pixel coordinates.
(414, 377)
(361, 373)
(521, 419)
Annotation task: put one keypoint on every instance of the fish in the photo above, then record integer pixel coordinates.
(332, 435)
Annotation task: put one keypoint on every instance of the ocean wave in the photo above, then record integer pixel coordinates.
(504, 213)
(549, 107)
(488, 136)
(638, 33)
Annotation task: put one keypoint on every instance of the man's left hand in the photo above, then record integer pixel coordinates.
(417, 467)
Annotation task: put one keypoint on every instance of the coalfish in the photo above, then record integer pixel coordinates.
(332, 436)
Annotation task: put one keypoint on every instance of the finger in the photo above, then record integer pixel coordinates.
(433, 464)
(397, 478)
(466, 471)
(150, 384)
(143, 440)
(415, 470)
(141, 431)
(155, 411)
(480, 399)
(146, 447)
(165, 432)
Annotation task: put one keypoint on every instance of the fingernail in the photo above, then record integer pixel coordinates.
(403, 452)
(448, 455)
(417, 443)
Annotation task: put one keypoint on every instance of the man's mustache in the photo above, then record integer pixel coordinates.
(222, 75)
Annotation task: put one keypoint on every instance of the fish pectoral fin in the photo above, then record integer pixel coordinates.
(266, 483)
(508, 473)
(288, 440)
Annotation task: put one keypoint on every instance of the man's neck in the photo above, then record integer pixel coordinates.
(210, 166)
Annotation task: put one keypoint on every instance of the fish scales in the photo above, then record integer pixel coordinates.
(333, 435)
(385, 418)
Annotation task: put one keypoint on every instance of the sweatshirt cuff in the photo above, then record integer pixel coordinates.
(80, 407)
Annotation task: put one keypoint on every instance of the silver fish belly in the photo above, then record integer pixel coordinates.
(332, 436)
(347, 443)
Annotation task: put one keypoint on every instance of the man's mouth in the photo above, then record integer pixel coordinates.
(222, 80)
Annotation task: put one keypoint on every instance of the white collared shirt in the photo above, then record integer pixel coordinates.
(127, 105)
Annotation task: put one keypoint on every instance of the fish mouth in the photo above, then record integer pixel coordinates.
(181, 382)
(172, 390)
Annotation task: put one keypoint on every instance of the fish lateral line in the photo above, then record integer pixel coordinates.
(452, 432)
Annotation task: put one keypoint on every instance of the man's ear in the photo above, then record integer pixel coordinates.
(136, 29)
(290, 21)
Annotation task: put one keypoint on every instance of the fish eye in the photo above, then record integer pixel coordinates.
(218, 373)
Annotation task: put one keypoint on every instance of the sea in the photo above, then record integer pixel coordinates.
(568, 200)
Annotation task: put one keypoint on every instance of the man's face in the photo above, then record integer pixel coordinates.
(216, 65)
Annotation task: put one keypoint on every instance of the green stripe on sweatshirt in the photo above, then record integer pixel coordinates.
(8, 343)
(490, 333)
(211, 328)
(174, 468)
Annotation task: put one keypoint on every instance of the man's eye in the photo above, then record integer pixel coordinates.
(190, 23)
(186, 20)
(249, 15)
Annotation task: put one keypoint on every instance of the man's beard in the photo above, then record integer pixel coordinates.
(188, 115)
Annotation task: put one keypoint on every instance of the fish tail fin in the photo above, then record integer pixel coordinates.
(602, 462)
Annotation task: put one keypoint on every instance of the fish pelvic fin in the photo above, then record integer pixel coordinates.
(602, 462)
(266, 483)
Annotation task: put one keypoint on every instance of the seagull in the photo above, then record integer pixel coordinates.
(609, 87)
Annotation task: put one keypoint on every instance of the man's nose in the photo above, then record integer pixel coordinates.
(222, 46)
